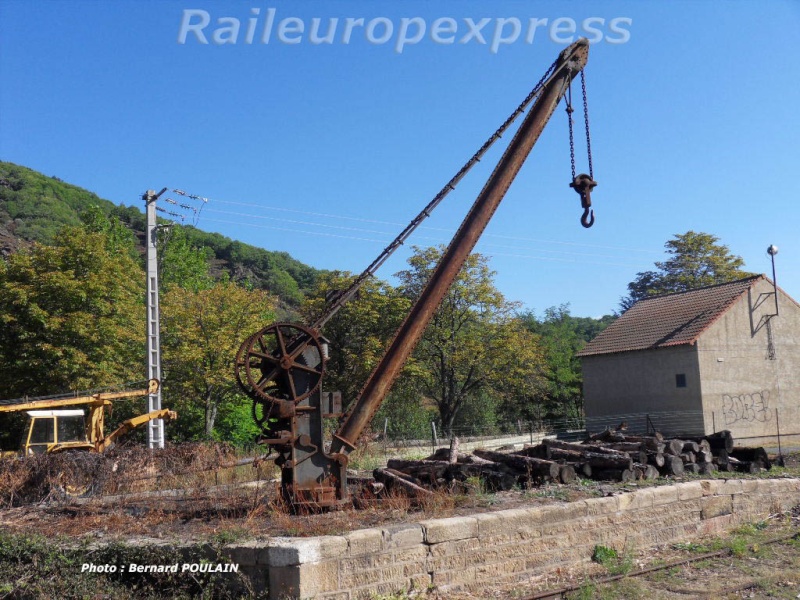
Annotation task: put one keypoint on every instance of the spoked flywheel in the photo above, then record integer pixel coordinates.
(283, 361)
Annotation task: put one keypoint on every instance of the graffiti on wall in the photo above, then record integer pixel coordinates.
(748, 408)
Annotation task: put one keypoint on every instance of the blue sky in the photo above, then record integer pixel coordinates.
(327, 150)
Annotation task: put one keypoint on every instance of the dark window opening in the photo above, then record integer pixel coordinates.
(71, 429)
(680, 380)
(43, 430)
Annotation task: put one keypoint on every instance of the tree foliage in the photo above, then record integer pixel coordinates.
(201, 333)
(474, 344)
(695, 260)
(181, 264)
(562, 336)
(72, 318)
(71, 315)
(34, 207)
(359, 332)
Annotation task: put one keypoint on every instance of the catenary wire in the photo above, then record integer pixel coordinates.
(383, 241)
(426, 238)
(426, 227)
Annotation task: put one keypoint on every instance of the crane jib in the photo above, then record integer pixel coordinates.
(281, 367)
(570, 63)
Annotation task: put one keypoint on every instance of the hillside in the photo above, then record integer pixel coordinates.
(33, 207)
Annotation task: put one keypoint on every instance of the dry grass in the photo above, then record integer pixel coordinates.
(40, 478)
(184, 493)
(122, 470)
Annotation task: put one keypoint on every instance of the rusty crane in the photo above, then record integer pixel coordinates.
(282, 365)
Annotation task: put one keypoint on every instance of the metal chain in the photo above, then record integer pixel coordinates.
(343, 297)
(570, 110)
(586, 120)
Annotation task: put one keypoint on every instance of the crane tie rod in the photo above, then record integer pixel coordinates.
(344, 296)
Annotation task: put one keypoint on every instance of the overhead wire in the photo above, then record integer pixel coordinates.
(427, 227)
(252, 216)
(272, 227)
(170, 213)
(485, 244)
(383, 241)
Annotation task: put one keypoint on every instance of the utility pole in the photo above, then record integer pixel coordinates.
(155, 428)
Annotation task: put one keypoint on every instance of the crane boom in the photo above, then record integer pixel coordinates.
(281, 366)
(344, 296)
(571, 61)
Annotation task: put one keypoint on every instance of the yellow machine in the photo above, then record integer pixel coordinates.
(57, 424)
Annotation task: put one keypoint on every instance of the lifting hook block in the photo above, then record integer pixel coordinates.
(584, 184)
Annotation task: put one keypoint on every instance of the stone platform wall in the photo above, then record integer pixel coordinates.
(462, 553)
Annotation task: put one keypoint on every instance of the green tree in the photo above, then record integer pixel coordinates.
(71, 315)
(562, 336)
(406, 412)
(359, 332)
(695, 260)
(474, 343)
(201, 333)
(118, 237)
(181, 263)
(33, 207)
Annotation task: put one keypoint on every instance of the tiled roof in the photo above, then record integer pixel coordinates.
(668, 320)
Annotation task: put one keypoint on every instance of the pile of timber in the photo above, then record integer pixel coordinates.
(607, 456)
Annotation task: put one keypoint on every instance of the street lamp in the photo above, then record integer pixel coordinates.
(772, 251)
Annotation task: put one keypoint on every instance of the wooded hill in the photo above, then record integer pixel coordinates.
(71, 318)
(33, 207)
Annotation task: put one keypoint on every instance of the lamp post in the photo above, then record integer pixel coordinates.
(772, 251)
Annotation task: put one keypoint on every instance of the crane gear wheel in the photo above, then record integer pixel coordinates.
(261, 411)
(283, 361)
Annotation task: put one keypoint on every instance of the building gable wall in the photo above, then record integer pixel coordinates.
(748, 387)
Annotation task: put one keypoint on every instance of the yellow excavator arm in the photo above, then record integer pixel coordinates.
(95, 439)
(102, 398)
(166, 414)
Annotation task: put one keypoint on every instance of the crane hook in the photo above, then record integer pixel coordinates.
(584, 184)
(587, 212)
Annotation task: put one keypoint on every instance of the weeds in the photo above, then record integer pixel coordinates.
(616, 591)
(123, 469)
(604, 555)
(751, 529)
(587, 591)
(691, 547)
(228, 536)
(398, 595)
(366, 460)
(439, 504)
(33, 566)
(552, 491)
(738, 546)
(615, 563)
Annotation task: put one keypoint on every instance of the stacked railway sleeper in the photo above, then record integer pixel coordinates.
(610, 455)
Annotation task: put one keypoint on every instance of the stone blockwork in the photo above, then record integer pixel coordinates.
(507, 546)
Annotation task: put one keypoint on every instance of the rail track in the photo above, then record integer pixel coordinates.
(561, 592)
